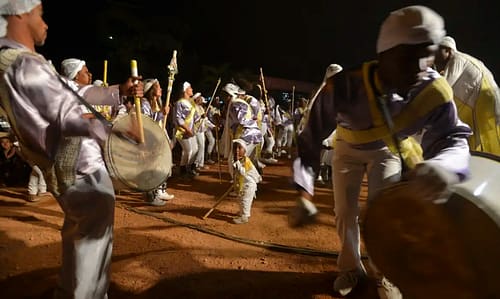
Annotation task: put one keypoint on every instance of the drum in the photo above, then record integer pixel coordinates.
(134, 165)
(440, 247)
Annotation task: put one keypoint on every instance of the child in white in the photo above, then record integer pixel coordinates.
(246, 178)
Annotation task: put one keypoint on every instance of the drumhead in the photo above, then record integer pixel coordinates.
(439, 248)
(138, 166)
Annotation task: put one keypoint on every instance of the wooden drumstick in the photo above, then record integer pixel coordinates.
(218, 202)
(137, 102)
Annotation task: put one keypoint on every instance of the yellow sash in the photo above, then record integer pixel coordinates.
(435, 94)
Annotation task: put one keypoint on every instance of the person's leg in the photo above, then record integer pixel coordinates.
(349, 170)
(200, 155)
(33, 183)
(87, 237)
(209, 136)
(194, 151)
(246, 200)
(42, 185)
(186, 153)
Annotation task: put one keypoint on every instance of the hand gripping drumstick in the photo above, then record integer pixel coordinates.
(137, 102)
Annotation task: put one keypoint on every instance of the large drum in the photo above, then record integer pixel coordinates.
(440, 247)
(134, 165)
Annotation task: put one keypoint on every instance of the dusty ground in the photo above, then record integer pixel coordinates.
(171, 252)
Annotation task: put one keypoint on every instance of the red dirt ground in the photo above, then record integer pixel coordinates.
(171, 252)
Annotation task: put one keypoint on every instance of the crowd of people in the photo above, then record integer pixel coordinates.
(420, 90)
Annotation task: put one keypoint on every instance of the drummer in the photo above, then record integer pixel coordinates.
(47, 118)
(151, 105)
(416, 98)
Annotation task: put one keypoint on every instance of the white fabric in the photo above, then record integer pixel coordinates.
(14, 7)
(449, 42)
(36, 183)
(410, 25)
(232, 89)
(196, 95)
(185, 86)
(350, 165)
(71, 66)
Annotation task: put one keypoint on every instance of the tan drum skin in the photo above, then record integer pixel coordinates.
(435, 247)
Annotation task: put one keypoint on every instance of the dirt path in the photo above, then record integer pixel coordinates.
(171, 252)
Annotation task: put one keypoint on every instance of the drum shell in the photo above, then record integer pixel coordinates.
(440, 247)
(138, 166)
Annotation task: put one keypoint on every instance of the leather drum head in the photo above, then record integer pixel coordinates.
(432, 247)
(138, 166)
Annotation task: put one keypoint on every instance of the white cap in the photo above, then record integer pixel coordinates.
(449, 42)
(241, 142)
(71, 66)
(148, 83)
(410, 25)
(14, 7)
(185, 86)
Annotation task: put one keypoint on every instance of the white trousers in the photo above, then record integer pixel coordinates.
(87, 237)
(200, 153)
(36, 183)
(349, 167)
(189, 149)
(246, 199)
(209, 136)
(285, 136)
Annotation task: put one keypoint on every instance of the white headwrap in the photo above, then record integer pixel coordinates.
(241, 142)
(185, 86)
(449, 42)
(410, 25)
(148, 83)
(14, 7)
(71, 66)
(232, 89)
(196, 95)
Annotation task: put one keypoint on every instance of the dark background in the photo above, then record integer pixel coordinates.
(289, 39)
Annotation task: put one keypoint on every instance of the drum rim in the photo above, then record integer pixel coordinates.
(485, 155)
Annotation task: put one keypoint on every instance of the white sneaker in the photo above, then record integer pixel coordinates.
(386, 290)
(240, 220)
(163, 195)
(347, 281)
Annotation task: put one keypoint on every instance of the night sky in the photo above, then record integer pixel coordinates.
(288, 39)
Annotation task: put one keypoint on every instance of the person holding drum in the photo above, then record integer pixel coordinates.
(46, 116)
(152, 107)
(375, 109)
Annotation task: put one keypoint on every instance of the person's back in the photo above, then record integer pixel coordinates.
(475, 92)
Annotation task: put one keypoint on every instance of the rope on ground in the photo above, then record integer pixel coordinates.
(263, 244)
